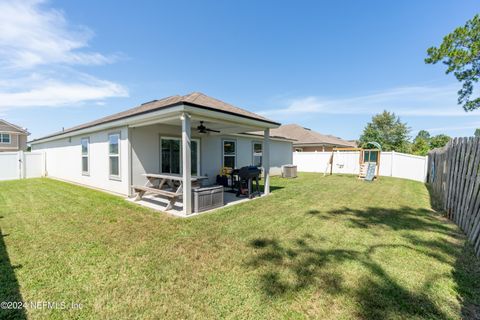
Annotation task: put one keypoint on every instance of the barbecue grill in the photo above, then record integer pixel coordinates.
(247, 175)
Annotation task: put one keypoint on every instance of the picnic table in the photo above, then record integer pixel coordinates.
(167, 185)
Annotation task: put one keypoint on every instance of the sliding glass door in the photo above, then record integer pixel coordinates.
(171, 159)
(170, 155)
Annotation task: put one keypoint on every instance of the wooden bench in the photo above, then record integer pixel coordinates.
(172, 196)
(156, 183)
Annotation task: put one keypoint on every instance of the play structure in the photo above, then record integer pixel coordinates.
(368, 160)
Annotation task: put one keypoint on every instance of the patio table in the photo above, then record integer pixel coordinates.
(156, 182)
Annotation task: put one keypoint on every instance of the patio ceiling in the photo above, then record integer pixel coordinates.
(225, 126)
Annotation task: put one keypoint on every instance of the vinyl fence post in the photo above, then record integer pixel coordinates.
(21, 165)
(391, 163)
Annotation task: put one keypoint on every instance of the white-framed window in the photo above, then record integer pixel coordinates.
(5, 138)
(114, 155)
(229, 148)
(171, 155)
(257, 148)
(85, 143)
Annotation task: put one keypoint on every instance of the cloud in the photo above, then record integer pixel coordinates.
(404, 101)
(39, 50)
(53, 93)
(467, 126)
(31, 35)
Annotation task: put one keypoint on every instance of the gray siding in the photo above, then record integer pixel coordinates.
(18, 139)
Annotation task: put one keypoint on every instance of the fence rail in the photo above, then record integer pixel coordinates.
(454, 178)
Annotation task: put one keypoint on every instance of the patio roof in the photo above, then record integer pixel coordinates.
(195, 100)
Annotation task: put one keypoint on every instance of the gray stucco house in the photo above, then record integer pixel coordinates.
(12, 137)
(188, 136)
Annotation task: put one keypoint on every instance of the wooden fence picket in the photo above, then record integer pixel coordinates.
(454, 178)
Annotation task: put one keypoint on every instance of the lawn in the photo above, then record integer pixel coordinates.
(318, 247)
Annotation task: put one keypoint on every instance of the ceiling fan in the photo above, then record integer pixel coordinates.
(202, 129)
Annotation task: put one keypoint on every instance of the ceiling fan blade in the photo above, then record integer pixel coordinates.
(211, 130)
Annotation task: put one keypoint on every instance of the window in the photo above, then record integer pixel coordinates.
(85, 142)
(257, 154)
(5, 138)
(194, 157)
(229, 153)
(171, 156)
(370, 156)
(114, 155)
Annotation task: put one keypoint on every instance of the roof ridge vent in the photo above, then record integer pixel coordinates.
(155, 100)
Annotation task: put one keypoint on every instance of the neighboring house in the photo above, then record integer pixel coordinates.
(310, 141)
(12, 137)
(112, 153)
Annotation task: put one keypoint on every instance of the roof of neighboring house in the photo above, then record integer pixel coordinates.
(195, 99)
(261, 134)
(7, 126)
(305, 136)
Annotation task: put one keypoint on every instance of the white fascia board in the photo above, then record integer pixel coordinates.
(114, 124)
(160, 115)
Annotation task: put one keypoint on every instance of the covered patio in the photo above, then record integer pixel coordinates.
(187, 147)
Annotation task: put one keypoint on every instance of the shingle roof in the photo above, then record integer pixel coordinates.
(7, 126)
(307, 136)
(196, 99)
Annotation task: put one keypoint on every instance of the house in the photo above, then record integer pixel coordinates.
(12, 137)
(308, 140)
(115, 152)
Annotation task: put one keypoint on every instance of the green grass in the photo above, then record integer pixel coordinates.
(318, 247)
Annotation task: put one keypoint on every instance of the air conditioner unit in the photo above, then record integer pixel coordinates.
(289, 171)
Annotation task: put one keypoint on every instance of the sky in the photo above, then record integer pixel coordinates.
(326, 65)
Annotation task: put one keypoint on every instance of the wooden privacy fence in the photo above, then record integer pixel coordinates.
(454, 177)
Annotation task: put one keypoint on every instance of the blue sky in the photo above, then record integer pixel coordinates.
(326, 65)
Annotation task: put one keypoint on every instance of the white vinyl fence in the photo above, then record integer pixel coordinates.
(19, 165)
(392, 164)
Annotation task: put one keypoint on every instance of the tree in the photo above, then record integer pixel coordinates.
(439, 141)
(460, 51)
(421, 143)
(386, 129)
(423, 134)
(477, 132)
(420, 147)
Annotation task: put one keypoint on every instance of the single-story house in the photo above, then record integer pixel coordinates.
(307, 140)
(115, 153)
(12, 137)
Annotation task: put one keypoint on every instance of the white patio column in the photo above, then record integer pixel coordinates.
(266, 159)
(186, 164)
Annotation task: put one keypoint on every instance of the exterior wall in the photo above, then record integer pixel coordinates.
(18, 142)
(63, 156)
(22, 142)
(18, 139)
(63, 159)
(145, 143)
